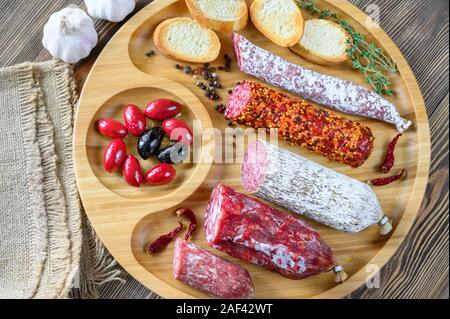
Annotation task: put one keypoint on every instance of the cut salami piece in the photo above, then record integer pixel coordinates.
(300, 123)
(310, 189)
(209, 273)
(250, 230)
(336, 93)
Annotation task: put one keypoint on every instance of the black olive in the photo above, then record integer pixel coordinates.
(173, 154)
(150, 142)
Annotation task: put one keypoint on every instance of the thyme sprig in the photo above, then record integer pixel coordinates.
(366, 57)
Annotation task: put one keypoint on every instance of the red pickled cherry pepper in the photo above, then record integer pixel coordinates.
(162, 109)
(178, 130)
(160, 174)
(112, 128)
(134, 120)
(132, 172)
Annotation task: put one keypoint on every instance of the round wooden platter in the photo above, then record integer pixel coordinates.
(125, 218)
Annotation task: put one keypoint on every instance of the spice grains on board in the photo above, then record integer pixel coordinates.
(301, 123)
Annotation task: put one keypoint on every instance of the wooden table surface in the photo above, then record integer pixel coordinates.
(420, 268)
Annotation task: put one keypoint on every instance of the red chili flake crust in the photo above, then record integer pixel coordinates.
(301, 123)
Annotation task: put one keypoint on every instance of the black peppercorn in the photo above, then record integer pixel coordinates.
(177, 66)
(230, 91)
(187, 69)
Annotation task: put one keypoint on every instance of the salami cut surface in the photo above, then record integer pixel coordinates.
(340, 94)
(309, 189)
(300, 123)
(251, 230)
(209, 273)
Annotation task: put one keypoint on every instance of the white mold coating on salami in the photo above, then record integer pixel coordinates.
(309, 189)
(336, 93)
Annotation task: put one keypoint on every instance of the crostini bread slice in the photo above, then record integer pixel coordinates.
(323, 42)
(185, 39)
(280, 21)
(222, 16)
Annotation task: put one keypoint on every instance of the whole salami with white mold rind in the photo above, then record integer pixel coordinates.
(309, 189)
(336, 93)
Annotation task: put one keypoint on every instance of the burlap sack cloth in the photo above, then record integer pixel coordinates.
(47, 247)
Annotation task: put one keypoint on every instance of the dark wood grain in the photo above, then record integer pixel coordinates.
(420, 268)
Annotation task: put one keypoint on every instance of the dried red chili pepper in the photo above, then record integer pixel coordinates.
(387, 180)
(389, 158)
(164, 240)
(190, 215)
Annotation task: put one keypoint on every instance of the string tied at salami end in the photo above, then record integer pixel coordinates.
(402, 125)
(339, 274)
(385, 226)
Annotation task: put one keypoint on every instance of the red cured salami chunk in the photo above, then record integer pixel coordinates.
(300, 123)
(310, 189)
(211, 274)
(250, 230)
(336, 93)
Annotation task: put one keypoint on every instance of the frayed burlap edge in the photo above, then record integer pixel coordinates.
(29, 101)
(57, 265)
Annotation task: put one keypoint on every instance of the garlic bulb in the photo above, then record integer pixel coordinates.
(111, 10)
(70, 35)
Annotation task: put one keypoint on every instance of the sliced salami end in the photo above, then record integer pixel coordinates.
(250, 230)
(254, 167)
(209, 273)
(235, 38)
(238, 100)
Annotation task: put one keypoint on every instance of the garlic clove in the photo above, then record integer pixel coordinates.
(111, 10)
(70, 35)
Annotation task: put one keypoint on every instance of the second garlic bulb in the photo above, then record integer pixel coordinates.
(111, 10)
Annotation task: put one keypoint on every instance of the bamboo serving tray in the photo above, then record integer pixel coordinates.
(125, 218)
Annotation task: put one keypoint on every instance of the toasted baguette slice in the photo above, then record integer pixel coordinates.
(185, 39)
(323, 42)
(222, 16)
(280, 21)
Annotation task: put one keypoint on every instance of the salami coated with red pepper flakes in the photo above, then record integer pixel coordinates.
(336, 93)
(209, 273)
(250, 230)
(300, 123)
(309, 189)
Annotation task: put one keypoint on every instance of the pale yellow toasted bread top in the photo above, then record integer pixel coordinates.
(223, 15)
(279, 20)
(323, 42)
(185, 39)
